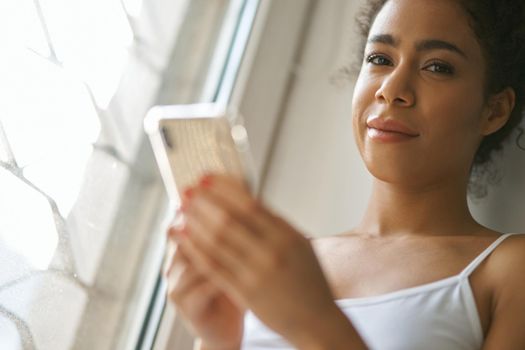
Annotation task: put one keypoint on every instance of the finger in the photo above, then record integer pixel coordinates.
(174, 254)
(181, 281)
(229, 193)
(266, 227)
(193, 301)
(182, 275)
(177, 222)
(168, 258)
(221, 227)
(247, 242)
(209, 267)
(220, 252)
(226, 238)
(234, 183)
(174, 232)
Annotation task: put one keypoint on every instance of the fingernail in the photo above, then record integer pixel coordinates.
(206, 180)
(177, 218)
(171, 231)
(188, 193)
(177, 234)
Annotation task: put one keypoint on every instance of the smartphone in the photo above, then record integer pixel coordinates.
(191, 140)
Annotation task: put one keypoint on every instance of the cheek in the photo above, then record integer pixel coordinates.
(456, 113)
(452, 127)
(363, 97)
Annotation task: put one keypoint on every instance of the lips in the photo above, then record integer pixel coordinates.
(390, 125)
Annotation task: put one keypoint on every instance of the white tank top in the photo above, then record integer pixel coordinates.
(437, 315)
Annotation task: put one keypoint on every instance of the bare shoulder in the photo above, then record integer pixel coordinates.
(506, 266)
(506, 272)
(508, 260)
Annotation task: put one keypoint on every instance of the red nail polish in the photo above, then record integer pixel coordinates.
(206, 180)
(188, 193)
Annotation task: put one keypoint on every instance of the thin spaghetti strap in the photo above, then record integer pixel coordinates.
(479, 259)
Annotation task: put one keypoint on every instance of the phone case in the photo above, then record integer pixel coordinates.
(191, 140)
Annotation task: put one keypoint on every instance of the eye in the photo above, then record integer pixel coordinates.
(440, 68)
(378, 60)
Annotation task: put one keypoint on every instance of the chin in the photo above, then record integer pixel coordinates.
(401, 172)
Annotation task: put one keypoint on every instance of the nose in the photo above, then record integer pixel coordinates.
(396, 88)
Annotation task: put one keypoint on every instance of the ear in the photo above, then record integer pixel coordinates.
(497, 111)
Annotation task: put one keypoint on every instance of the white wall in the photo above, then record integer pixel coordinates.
(504, 207)
(316, 178)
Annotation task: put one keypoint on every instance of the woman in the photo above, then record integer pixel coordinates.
(441, 85)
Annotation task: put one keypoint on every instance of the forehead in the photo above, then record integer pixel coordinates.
(413, 20)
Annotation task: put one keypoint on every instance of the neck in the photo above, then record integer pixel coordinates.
(400, 211)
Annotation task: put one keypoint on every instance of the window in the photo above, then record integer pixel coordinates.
(82, 208)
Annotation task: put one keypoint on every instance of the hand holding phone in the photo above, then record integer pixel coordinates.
(191, 140)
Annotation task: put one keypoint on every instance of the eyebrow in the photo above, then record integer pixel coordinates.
(424, 45)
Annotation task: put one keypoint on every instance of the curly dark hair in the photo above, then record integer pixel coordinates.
(499, 26)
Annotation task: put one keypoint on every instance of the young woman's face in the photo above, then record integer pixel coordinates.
(418, 101)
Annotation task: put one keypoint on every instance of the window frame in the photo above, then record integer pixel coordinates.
(275, 43)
